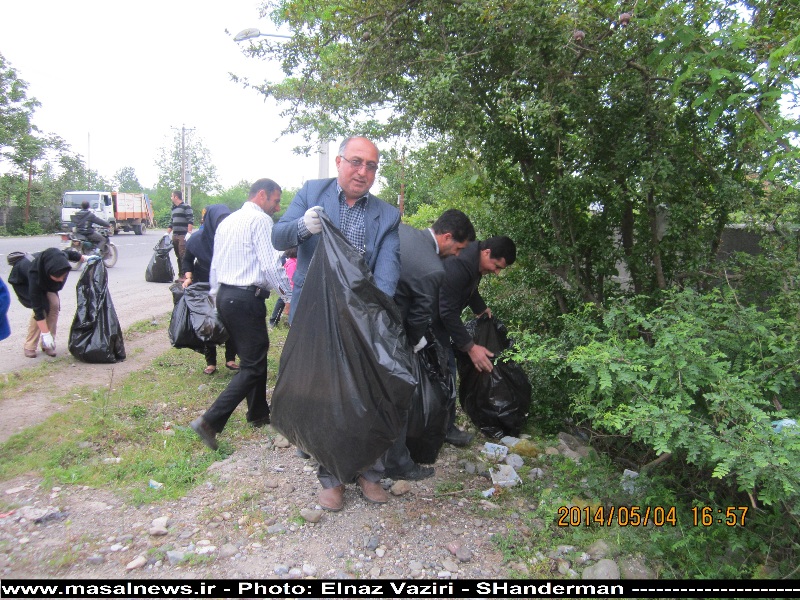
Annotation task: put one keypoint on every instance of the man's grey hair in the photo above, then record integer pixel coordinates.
(343, 145)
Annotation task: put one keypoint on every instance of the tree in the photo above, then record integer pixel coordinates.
(588, 124)
(199, 166)
(125, 180)
(17, 131)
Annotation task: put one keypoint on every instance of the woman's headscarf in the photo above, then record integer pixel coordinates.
(201, 244)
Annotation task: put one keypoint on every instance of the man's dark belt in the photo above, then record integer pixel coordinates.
(252, 289)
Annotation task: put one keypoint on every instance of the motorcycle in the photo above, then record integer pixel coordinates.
(79, 243)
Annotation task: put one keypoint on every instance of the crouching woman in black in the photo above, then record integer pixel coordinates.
(37, 279)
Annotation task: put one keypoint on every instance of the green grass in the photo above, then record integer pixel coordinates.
(444, 488)
(24, 380)
(123, 438)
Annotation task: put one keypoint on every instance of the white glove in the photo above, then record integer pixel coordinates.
(420, 344)
(187, 236)
(312, 221)
(48, 343)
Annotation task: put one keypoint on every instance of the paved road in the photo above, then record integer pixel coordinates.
(134, 298)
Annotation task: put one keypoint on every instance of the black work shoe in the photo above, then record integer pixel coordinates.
(206, 433)
(415, 473)
(260, 422)
(456, 437)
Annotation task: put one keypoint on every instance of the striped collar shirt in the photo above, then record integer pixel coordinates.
(182, 217)
(352, 221)
(244, 255)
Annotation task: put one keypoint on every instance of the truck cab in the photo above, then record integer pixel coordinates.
(100, 203)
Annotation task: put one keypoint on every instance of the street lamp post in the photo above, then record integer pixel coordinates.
(252, 33)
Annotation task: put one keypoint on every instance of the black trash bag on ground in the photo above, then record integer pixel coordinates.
(496, 402)
(159, 269)
(194, 322)
(427, 417)
(346, 378)
(95, 335)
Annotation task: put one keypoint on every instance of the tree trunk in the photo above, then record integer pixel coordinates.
(28, 196)
(652, 215)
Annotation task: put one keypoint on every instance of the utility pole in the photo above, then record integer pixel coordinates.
(184, 183)
(183, 162)
(324, 158)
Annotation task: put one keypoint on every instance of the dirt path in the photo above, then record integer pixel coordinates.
(255, 515)
(243, 521)
(35, 403)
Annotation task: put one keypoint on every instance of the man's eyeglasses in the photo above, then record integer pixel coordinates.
(357, 163)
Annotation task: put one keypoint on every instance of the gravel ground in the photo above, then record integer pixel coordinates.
(255, 516)
(245, 522)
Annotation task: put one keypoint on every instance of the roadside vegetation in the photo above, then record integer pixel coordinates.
(121, 439)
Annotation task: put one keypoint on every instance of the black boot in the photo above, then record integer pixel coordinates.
(456, 437)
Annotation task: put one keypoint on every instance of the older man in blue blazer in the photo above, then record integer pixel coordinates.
(371, 226)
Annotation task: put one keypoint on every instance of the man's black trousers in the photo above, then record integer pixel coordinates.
(245, 317)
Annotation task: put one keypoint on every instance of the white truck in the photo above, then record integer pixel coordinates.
(124, 211)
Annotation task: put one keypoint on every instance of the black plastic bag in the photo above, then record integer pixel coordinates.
(159, 269)
(164, 246)
(95, 335)
(345, 380)
(194, 322)
(427, 417)
(496, 402)
(177, 292)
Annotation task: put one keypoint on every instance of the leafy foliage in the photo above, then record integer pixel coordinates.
(700, 376)
(590, 130)
(16, 113)
(199, 167)
(125, 180)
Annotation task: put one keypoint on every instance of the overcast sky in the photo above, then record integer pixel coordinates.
(114, 78)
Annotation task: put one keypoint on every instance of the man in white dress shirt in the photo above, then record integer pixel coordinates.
(244, 268)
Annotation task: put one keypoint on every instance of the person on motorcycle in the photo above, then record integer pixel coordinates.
(83, 220)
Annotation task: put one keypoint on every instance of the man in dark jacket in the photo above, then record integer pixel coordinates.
(83, 221)
(463, 273)
(417, 296)
(36, 280)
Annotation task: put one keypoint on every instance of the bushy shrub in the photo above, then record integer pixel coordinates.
(30, 228)
(701, 375)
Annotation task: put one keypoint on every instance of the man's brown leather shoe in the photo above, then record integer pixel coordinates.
(373, 492)
(332, 498)
(30, 353)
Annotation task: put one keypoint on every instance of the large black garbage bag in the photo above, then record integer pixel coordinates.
(159, 269)
(496, 402)
(95, 335)
(427, 417)
(194, 322)
(345, 380)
